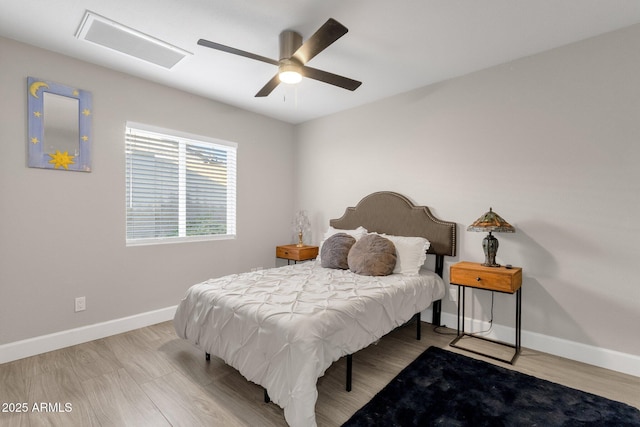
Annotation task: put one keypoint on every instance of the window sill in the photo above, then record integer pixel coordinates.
(172, 240)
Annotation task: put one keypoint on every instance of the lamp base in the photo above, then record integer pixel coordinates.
(490, 247)
(484, 264)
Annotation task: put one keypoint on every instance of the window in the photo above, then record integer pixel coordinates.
(180, 187)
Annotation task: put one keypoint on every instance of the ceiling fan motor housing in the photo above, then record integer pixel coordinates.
(290, 41)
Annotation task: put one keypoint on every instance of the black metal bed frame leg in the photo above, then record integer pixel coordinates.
(437, 310)
(349, 370)
(267, 399)
(437, 305)
(418, 326)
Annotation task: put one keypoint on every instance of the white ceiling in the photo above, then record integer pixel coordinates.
(391, 46)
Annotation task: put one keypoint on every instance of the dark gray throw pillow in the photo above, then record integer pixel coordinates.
(372, 255)
(335, 250)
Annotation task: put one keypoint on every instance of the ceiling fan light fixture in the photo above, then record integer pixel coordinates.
(289, 73)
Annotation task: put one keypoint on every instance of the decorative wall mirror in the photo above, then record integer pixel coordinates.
(59, 126)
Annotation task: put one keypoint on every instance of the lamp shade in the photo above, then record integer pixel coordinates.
(490, 222)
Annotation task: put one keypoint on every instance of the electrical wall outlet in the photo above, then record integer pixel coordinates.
(81, 304)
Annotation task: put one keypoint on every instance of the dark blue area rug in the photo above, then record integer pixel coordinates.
(441, 388)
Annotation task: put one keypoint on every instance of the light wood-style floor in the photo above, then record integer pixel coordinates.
(149, 377)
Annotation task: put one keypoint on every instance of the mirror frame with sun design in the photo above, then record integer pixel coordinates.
(61, 160)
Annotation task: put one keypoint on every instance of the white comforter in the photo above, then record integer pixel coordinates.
(283, 327)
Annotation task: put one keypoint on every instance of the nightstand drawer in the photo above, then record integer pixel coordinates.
(296, 253)
(474, 275)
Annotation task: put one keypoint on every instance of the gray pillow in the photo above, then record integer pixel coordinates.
(335, 250)
(372, 255)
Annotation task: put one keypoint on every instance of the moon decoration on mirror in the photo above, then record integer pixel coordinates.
(59, 126)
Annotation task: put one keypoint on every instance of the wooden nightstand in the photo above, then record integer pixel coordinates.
(497, 279)
(296, 253)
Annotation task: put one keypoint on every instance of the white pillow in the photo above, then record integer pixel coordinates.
(357, 234)
(411, 253)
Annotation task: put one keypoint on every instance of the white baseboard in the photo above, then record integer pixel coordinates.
(597, 356)
(37, 345)
(602, 357)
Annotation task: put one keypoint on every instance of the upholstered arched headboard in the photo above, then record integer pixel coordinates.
(392, 213)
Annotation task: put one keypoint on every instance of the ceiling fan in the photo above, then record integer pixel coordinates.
(294, 55)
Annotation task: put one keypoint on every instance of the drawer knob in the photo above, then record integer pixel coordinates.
(478, 279)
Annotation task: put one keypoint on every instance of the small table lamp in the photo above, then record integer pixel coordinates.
(491, 222)
(301, 225)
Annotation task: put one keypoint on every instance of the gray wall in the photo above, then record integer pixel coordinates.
(549, 141)
(62, 234)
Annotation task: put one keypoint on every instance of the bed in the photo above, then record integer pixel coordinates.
(283, 327)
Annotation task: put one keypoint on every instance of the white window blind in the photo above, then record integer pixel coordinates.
(180, 187)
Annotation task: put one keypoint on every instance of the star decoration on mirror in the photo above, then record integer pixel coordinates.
(59, 160)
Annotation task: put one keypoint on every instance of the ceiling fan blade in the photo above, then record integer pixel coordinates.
(330, 31)
(332, 79)
(218, 46)
(269, 87)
